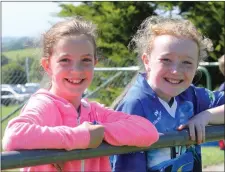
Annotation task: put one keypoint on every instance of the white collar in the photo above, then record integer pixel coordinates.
(171, 110)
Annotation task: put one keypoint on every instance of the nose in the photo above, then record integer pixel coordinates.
(76, 67)
(176, 68)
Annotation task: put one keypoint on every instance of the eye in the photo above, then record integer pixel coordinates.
(187, 62)
(166, 60)
(64, 60)
(87, 60)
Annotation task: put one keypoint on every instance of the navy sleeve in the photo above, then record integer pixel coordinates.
(135, 161)
(207, 99)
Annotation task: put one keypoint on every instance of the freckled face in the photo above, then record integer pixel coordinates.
(72, 66)
(172, 65)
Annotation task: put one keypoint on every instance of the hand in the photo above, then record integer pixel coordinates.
(198, 123)
(96, 134)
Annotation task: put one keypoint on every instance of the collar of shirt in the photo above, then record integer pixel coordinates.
(145, 87)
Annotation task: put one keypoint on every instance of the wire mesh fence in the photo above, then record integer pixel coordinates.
(20, 80)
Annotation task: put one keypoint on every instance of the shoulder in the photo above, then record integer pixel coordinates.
(41, 103)
(40, 99)
(202, 98)
(194, 91)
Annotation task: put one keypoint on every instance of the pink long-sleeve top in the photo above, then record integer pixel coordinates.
(48, 121)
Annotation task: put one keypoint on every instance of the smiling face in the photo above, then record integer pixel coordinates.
(71, 66)
(171, 65)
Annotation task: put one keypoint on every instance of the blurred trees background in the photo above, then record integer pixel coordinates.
(118, 21)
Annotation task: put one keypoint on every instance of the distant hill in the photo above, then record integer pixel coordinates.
(23, 53)
(17, 43)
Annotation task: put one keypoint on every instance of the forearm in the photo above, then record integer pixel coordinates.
(23, 135)
(132, 131)
(216, 115)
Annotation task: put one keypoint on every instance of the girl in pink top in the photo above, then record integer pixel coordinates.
(58, 118)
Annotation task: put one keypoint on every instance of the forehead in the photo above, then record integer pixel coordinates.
(173, 44)
(74, 45)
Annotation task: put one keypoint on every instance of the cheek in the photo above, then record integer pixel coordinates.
(191, 74)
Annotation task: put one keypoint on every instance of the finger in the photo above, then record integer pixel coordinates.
(182, 126)
(203, 133)
(199, 133)
(192, 131)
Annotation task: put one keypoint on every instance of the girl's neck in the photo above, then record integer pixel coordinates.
(74, 100)
(169, 100)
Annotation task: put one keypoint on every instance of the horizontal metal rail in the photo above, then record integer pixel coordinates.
(26, 158)
(136, 68)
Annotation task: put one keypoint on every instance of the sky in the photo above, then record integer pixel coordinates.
(28, 18)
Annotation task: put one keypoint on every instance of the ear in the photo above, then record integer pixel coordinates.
(145, 60)
(45, 63)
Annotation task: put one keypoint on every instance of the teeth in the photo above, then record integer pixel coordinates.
(75, 81)
(173, 81)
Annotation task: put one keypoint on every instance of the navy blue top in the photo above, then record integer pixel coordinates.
(142, 100)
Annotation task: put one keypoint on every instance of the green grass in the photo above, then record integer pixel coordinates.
(6, 110)
(212, 156)
(29, 52)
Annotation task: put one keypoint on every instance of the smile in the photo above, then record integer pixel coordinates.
(77, 81)
(173, 81)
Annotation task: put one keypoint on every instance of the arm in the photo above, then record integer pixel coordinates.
(120, 127)
(31, 129)
(135, 161)
(211, 111)
(216, 115)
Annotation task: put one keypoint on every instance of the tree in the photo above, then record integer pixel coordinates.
(208, 17)
(4, 60)
(36, 71)
(117, 23)
(13, 74)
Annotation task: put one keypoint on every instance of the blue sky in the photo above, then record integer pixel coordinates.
(28, 18)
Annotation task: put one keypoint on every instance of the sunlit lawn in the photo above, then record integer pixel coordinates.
(6, 110)
(212, 156)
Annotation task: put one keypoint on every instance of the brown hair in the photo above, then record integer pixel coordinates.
(221, 64)
(156, 25)
(71, 27)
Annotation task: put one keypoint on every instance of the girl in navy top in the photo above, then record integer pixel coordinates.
(170, 50)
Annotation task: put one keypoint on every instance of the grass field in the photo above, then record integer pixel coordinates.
(212, 156)
(23, 53)
(6, 110)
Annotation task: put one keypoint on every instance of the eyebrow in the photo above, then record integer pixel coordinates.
(85, 55)
(165, 54)
(63, 54)
(67, 54)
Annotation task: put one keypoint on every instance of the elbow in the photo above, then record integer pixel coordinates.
(12, 140)
(151, 136)
(8, 142)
